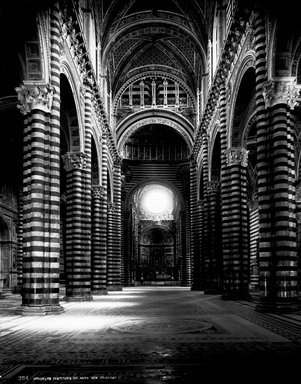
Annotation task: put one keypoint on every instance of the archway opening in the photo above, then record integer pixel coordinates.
(153, 216)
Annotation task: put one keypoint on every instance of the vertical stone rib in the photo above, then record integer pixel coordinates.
(87, 181)
(54, 153)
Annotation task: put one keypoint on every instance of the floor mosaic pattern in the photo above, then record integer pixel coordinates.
(149, 335)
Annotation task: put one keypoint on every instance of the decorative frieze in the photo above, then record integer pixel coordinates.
(34, 96)
(75, 160)
(284, 91)
(237, 156)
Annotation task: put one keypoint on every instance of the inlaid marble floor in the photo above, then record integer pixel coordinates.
(149, 335)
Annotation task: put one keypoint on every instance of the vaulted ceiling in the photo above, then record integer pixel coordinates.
(166, 36)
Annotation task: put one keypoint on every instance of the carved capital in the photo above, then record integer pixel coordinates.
(200, 204)
(253, 205)
(284, 91)
(213, 186)
(237, 156)
(98, 191)
(75, 160)
(111, 207)
(117, 162)
(34, 96)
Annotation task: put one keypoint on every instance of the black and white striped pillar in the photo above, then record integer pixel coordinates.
(99, 258)
(77, 263)
(235, 226)
(40, 261)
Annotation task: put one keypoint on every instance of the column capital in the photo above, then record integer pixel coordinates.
(237, 155)
(111, 206)
(98, 191)
(213, 186)
(117, 161)
(252, 204)
(75, 160)
(281, 91)
(34, 95)
(200, 204)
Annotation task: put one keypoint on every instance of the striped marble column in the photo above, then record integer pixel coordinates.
(187, 254)
(254, 229)
(279, 267)
(182, 240)
(103, 251)
(201, 240)
(213, 259)
(208, 286)
(54, 158)
(125, 281)
(20, 243)
(114, 263)
(235, 226)
(264, 167)
(78, 265)
(194, 228)
(87, 175)
(98, 262)
(40, 266)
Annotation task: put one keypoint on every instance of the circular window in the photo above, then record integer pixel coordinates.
(157, 202)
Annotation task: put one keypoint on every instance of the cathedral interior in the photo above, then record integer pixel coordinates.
(152, 155)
